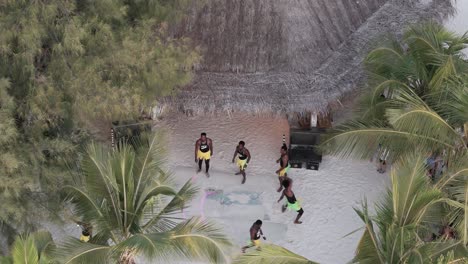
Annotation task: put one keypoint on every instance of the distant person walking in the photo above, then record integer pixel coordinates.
(255, 233)
(292, 202)
(383, 160)
(203, 151)
(284, 166)
(243, 159)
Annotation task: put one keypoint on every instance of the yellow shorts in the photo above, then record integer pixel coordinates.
(284, 171)
(255, 243)
(84, 238)
(241, 163)
(204, 155)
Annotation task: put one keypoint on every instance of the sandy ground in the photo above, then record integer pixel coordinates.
(327, 195)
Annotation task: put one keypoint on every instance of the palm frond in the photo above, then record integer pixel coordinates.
(44, 244)
(411, 191)
(179, 202)
(360, 140)
(24, 251)
(73, 251)
(270, 253)
(368, 250)
(430, 252)
(193, 239)
(409, 113)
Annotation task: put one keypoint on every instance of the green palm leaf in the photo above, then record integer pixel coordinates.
(193, 239)
(160, 222)
(368, 249)
(270, 253)
(74, 251)
(132, 211)
(24, 251)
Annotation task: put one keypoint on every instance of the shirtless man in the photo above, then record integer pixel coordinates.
(203, 151)
(292, 202)
(243, 159)
(255, 233)
(284, 163)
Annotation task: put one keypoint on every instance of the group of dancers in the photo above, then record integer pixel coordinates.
(204, 151)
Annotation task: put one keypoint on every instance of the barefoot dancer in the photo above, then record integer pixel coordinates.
(255, 233)
(242, 160)
(284, 163)
(292, 202)
(203, 151)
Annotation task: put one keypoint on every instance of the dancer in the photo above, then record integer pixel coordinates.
(284, 163)
(203, 151)
(292, 203)
(255, 233)
(242, 160)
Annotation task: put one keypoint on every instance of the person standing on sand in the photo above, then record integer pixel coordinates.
(255, 233)
(203, 151)
(242, 160)
(383, 160)
(284, 163)
(292, 202)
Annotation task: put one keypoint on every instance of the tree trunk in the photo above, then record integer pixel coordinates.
(127, 257)
(465, 130)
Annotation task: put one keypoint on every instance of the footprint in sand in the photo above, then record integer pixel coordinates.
(221, 154)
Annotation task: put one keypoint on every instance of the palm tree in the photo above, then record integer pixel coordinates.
(417, 105)
(123, 196)
(426, 102)
(34, 248)
(271, 254)
(405, 221)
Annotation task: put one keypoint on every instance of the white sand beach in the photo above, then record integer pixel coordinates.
(327, 195)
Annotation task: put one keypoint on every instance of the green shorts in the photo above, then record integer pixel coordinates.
(295, 206)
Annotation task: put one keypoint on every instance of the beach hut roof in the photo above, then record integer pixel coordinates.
(286, 56)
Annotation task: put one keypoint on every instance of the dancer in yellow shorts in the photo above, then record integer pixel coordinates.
(255, 233)
(284, 163)
(243, 159)
(203, 151)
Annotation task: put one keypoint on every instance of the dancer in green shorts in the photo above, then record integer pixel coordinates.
(292, 202)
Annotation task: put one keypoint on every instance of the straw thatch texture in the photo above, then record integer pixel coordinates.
(286, 55)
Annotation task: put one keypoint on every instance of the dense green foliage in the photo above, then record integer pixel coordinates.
(67, 68)
(410, 213)
(35, 248)
(416, 107)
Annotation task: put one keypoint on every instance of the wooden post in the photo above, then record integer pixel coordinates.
(112, 139)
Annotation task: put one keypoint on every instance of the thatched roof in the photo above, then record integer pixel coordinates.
(286, 55)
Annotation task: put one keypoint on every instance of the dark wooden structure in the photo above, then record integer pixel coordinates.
(303, 148)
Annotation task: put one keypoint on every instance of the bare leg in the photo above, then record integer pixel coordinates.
(200, 162)
(207, 167)
(300, 212)
(280, 178)
(246, 247)
(283, 208)
(243, 176)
